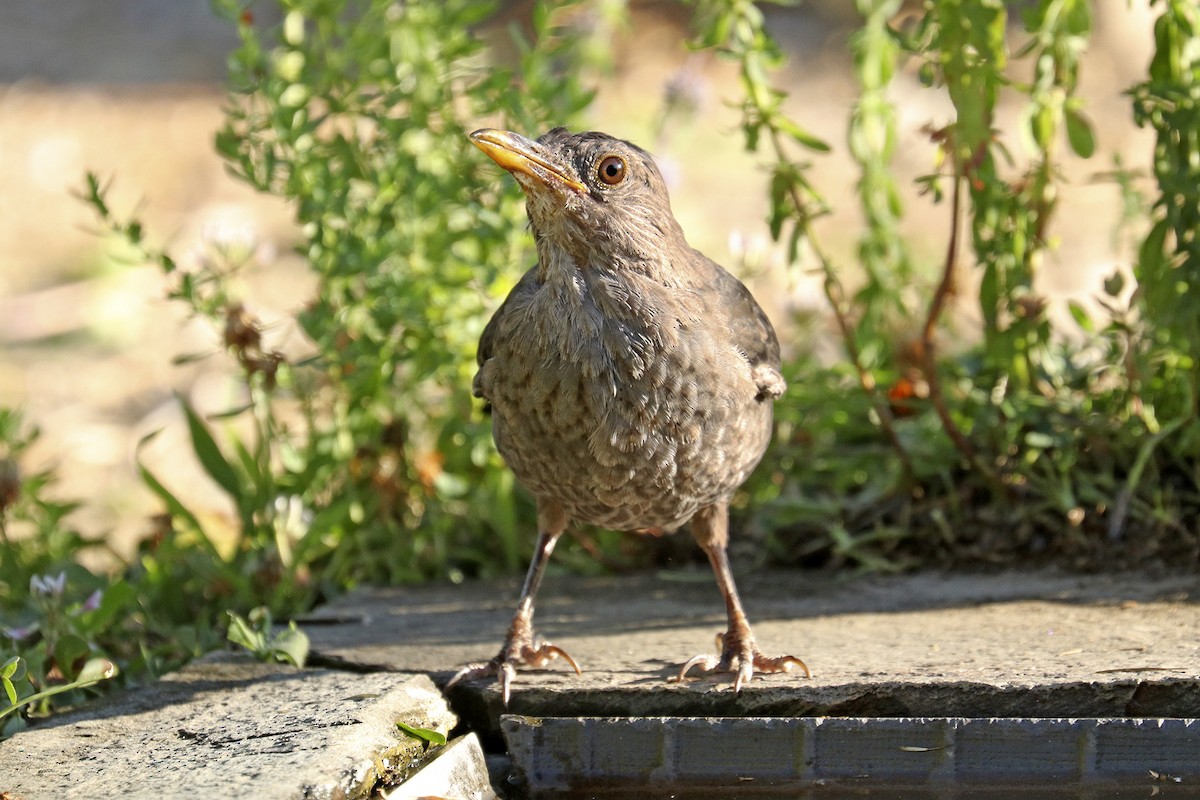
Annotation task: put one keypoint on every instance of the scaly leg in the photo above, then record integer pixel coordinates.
(521, 646)
(739, 653)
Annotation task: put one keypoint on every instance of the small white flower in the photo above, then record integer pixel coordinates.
(291, 520)
(48, 585)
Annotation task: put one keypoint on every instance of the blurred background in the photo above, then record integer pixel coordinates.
(132, 90)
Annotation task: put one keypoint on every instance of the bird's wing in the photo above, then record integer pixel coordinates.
(727, 299)
(525, 288)
(748, 323)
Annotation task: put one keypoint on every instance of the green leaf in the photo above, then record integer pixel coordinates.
(94, 671)
(290, 646)
(227, 144)
(115, 599)
(1079, 17)
(1038, 440)
(927, 74)
(95, 195)
(1114, 284)
(1079, 133)
(242, 633)
(230, 413)
(251, 467)
(210, 455)
(12, 671)
(68, 650)
(1152, 249)
(175, 508)
(450, 485)
(422, 734)
(800, 135)
(1041, 127)
(1081, 316)
(189, 358)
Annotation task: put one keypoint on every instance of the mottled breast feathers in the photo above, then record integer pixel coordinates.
(723, 298)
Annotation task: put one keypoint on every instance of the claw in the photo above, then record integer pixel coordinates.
(743, 658)
(548, 652)
(745, 674)
(470, 672)
(508, 674)
(705, 662)
(785, 664)
(504, 666)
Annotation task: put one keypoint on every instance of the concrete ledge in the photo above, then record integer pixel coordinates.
(1021, 670)
(589, 754)
(1024, 645)
(228, 726)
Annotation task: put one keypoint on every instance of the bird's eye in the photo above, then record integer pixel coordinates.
(611, 170)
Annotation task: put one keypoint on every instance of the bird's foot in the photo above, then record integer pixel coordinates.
(740, 655)
(530, 653)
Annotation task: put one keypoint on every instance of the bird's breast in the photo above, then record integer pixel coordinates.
(627, 424)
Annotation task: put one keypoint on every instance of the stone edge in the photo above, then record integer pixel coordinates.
(572, 753)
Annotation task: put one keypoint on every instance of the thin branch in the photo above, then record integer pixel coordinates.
(937, 304)
(837, 298)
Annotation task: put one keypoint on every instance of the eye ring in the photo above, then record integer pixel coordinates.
(611, 170)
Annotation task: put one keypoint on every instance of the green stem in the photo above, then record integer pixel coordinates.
(107, 671)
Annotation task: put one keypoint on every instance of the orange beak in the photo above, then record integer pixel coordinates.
(520, 155)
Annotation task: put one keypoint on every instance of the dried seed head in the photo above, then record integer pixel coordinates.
(10, 483)
(242, 331)
(1031, 306)
(266, 363)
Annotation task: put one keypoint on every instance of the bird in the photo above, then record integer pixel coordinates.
(630, 378)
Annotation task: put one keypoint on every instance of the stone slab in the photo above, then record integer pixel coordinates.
(459, 772)
(229, 726)
(780, 756)
(959, 645)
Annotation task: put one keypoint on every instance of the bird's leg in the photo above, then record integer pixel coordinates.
(521, 646)
(738, 651)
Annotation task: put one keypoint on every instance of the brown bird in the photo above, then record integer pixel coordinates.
(630, 377)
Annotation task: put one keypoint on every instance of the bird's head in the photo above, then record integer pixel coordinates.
(598, 199)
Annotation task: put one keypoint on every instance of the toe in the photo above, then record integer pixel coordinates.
(557, 652)
(508, 674)
(740, 656)
(705, 662)
(780, 664)
(543, 654)
(745, 674)
(504, 666)
(470, 672)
